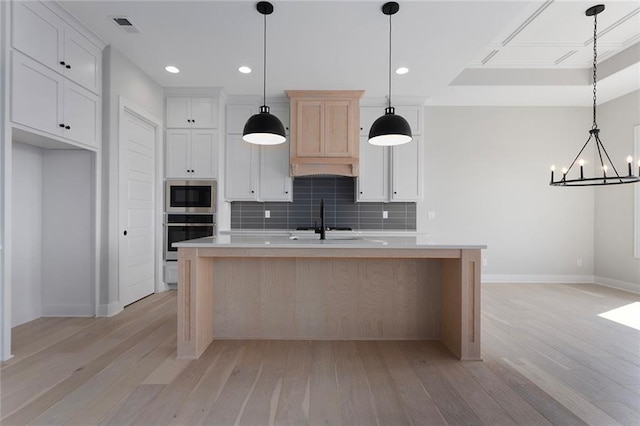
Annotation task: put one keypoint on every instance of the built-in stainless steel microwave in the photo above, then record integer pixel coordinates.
(190, 196)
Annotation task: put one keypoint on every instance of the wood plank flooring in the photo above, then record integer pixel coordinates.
(548, 359)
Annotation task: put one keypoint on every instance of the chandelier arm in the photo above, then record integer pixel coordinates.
(600, 152)
(578, 156)
(609, 158)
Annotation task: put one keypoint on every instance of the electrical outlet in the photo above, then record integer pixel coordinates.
(385, 214)
(579, 263)
(267, 214)
(484, 261)
(431, 215)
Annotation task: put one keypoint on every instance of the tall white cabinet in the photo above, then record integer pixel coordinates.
(54, 89)
(192, 149)
(391, 174)
(253, 172)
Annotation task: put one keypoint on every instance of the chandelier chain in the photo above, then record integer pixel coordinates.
(595, 67)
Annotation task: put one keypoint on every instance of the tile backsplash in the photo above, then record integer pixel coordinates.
(340, 209)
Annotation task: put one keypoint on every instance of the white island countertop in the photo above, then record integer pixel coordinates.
(334, 240)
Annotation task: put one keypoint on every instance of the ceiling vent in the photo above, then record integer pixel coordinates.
(124, 24)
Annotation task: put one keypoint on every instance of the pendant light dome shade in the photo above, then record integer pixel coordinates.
(390, 129)
(263, 128)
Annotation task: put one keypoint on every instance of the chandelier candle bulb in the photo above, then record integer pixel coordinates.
(564, 173)
(629, 161)
(604, 170)
(553, 169)
(581, 168)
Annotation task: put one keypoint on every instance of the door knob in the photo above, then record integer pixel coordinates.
(125, 233)
(68, 67)
(67, 127)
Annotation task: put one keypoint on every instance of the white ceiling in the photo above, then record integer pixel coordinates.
(459, 53)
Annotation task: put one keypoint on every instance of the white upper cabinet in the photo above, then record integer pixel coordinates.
(253, 172)
(242, 168)
(394, 173)
(373, 180)
(275, 182)
(44, 100)
(407, 171)
(192, 113)
(192, 153)
(42, 35)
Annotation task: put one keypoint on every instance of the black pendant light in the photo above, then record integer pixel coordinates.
(264, 128)
(594, 134)
(390, 129)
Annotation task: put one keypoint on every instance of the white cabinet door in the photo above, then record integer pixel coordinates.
(194, 113)
(275, 182)
(204, 154)
(407, 171)
(241, 178)
(367, 116)
(83, 60)
(177, 163)
(81, 114)
(38, 33)
(36, 95)
(204, 113)
(373, 180)
(413, 115)
(237, 116)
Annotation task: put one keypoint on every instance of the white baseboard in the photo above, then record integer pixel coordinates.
(109, 310)
(544, 279)
(67, 310)
(621, 285)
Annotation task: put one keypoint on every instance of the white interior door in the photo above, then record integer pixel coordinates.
(137, 208)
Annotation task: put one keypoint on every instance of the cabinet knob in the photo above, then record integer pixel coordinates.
(193, 121)
(286, 192)
(67, 127)
(188, 120)
(61, 125)
(125, 233)
(62, 63)
(361, 128)
(395, 192)
(360, 192)
(68, 67)
(253, 192)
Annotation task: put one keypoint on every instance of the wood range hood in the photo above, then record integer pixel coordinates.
(325, 131)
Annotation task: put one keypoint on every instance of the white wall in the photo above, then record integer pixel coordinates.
(486, 178)
(67, 244)
(26, 204)
(120, 78)
(614, 227)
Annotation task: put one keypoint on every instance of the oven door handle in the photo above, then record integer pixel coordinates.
(190, 224)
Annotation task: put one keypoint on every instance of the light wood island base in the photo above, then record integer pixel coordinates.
(329, 294)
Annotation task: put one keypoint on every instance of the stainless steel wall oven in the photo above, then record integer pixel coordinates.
(181, 227)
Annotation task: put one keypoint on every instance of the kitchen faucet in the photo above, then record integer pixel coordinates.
(323, 229)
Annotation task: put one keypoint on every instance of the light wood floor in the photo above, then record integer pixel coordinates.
(548, 359)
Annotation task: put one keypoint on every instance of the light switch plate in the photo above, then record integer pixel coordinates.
(431, 215)
(385, 214)
(267, 214)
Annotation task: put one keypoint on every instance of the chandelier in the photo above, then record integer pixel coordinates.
(613, 178)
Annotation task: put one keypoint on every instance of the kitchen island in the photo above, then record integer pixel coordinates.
(346, 288)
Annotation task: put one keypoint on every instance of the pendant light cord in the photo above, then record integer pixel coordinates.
(264, 69)
(389, 61)
(595, 67)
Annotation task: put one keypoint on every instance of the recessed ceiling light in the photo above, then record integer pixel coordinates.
(172, 69)
(402, 70)
(244, 69)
